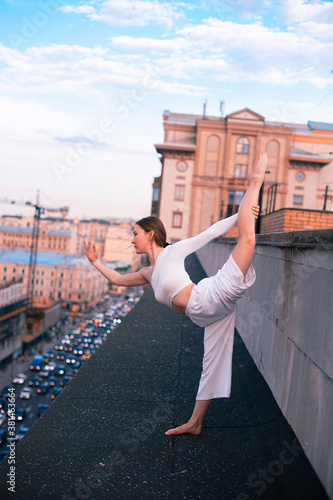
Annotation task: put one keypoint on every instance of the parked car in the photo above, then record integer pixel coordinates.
(7, 391)
(71, 360)
(19, 414)
(37, 363)
(60, 370)
(42, 409)
(51, 381)
(61, 356)
(20, 378)
(46, 358)
(50, 366)
(35, 382)
(26, 393)
(21, 432)
(3, 436)
(65, 380)
(2, 416)
(43, 389)
(56, 392)
(44, 373)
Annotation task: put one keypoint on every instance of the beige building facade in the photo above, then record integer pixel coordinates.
(206, 160)
(58, 277)
(118, 245)
(55, 235)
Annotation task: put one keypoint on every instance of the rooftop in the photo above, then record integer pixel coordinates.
(28, 230)
(52, 259)
(103, 437)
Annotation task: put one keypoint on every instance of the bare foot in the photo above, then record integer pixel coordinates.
(188, 428)
(257, 173)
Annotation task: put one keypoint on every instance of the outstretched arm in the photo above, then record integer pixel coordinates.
(185, 247)
(131, 279)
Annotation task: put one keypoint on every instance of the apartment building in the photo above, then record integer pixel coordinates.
(13, 305)
(55, 235)
(206, 160)
(118, 245)
(58, 277)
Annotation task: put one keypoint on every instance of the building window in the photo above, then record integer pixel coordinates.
(156, 194)
(273, 149)
(213, 143)
(59, 284)
(243, 145)
(179, 193)
(298, 200)
(234, 200)
(177, 219)
(59, 295)
(240, 171)
(69, 296)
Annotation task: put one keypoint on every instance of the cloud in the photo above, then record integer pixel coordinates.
(151, 44)
(131, 12)
(296, 11)
(258, 53)
(79, 70)
(80, 9)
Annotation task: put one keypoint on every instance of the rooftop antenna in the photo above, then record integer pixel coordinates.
(222, 103)
(204, 110)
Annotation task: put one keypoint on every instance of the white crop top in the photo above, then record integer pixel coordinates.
(169, 276)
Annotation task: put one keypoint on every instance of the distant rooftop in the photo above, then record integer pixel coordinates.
(320, 126)
(28, 230)
(188, 119)
(51, 259)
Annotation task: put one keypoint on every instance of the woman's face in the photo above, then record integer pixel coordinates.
(140, 239)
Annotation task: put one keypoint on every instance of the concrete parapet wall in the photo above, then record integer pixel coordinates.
(286, 321)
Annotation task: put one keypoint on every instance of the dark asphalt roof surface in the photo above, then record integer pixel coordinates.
(103, 437)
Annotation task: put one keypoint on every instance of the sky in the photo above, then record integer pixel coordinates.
(84, 84)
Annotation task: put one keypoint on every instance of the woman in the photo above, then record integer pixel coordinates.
(210, 303)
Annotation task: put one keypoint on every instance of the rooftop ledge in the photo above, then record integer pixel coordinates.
(314, 238)
(103, 437)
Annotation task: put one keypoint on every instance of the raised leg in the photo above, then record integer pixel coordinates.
(244, 250)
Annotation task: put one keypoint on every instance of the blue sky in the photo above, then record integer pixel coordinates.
(84, 84)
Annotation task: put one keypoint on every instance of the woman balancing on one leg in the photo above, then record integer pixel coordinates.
(210, 303)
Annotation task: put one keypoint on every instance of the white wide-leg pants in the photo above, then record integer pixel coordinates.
(212, 305)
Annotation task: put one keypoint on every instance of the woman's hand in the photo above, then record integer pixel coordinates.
(92, 255)
(255, 211)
